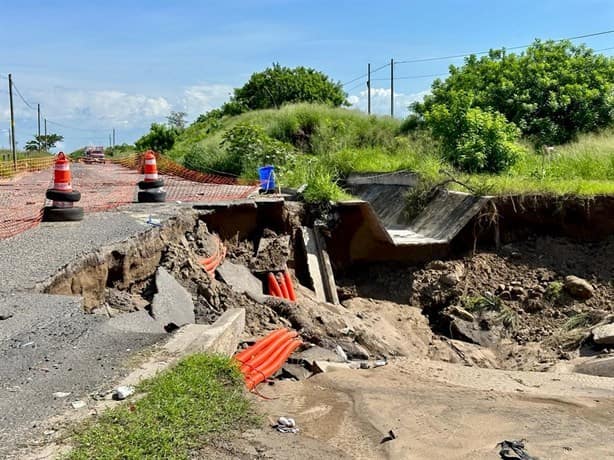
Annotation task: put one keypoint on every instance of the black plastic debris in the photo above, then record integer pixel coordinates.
(514, 450)
(389, 437)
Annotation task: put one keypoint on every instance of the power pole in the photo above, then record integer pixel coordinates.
(392, 88)
(109, 141)
(369, 88)
(113, 137)
(12, 122)
(45, 141)
(38, 107)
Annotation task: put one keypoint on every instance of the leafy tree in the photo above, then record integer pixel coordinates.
(160, 138)
(552, 91)
(177, 120)
(472, 139)
(279, 85)
(43, 142)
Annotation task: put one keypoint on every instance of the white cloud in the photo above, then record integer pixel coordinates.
(380, 101)
(93, 108)
(202, 98)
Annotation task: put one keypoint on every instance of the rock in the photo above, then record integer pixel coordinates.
(312, 354)
(272, 253)
(327, 366)
(461, 313)
(578, 287)
(136, 321)
(239, 277)
(172, 306)
(295, 371)
(604, 334)
(60, 394)
(470, 332)
(341, 353)
(449, 279)
(518, 292)
(505, 295)
(532, 306)
(123, 392)
(78, 404)
(353, 350)
(438, 265)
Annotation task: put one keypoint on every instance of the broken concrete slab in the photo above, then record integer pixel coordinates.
(272, 254)
(604, 335)
(314, 353)
(172, 305)
(295, 371)
(328, 366)
(139, 321)
(308, 240)
(326, 269)
(602, 367)
(239, 277)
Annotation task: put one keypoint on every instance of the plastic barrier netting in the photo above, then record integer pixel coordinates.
(102, 187)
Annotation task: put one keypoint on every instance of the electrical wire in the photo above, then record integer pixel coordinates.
(411, 77)
(91, 130)
(366, 74)
(23, 98)
(456, 56)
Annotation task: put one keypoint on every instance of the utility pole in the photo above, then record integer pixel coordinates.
(38, 107)
(109, 141)
(12, 122)
(45, 141)
(113, 137)
(392, 88)
(369, 88)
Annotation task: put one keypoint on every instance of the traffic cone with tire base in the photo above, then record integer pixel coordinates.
(150, 188)
(62, 195)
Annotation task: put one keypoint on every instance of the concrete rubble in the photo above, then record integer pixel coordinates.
(172, 305)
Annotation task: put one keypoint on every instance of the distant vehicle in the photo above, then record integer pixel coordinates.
(94, 155)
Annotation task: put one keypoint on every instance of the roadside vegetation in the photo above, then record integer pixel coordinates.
(200, 399)
(535, 122)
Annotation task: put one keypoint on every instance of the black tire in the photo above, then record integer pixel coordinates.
(148, 196)
(152, 184)
(58, 195)
(52, 214)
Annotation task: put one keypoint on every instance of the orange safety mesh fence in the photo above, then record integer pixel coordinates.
(102, 187)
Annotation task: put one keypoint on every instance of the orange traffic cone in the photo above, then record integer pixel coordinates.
(151, 186)
(62, 195)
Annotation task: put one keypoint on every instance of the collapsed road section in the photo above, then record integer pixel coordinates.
(84, 297)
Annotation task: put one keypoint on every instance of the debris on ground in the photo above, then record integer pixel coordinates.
(389, 437)
(78, 404)
(514, 450)
(122, 392)
(286, 425)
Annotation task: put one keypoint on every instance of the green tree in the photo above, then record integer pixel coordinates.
(160, 138)
(552, 91)
(177, 120)
(43, 142)
(472, 139)
(279, 85)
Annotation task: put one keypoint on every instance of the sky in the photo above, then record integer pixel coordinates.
(98, 66)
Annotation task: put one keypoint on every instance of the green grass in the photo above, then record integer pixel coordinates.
(480, 303)
(199, 399)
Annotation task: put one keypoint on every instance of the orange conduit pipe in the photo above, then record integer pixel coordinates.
(288, 282)
(275, 361)
(284, 288)
(274, 288)
(250, 352)
(251, 364)
(216, 260)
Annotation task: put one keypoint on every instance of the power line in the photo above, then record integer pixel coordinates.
(23, 98)
(91, 130)
(366, 74)
(456, 56)
(411, 77)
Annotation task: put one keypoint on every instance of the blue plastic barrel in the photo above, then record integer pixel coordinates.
(267, 177)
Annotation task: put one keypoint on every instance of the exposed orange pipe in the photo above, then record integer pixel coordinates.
(256, 360)
(284, 288)
(250, 352)
(289, 285)
(271, 365)
(274, 288)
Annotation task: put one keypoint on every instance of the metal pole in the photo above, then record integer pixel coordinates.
(392, 88)
(12, 122)
(38, 107)
(45, 141)
(369, 89)
(113, 137)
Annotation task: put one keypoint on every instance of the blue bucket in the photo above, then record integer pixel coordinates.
(267, 177)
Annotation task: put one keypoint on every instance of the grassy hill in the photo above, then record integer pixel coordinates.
(319, 145)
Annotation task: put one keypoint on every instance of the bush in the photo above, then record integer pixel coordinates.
(248, 146)
(472, 139)
(160, 138)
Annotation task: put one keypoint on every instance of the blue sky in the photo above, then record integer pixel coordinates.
(97, 65)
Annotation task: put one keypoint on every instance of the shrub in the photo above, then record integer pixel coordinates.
(160, 138)
(472, 139)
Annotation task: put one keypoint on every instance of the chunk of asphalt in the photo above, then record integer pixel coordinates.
(172, 306)
(138, 321)
(240, 278)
